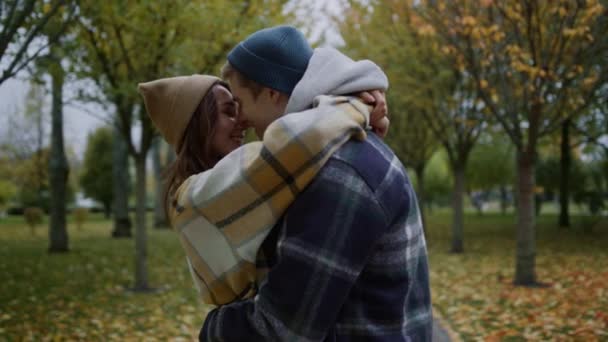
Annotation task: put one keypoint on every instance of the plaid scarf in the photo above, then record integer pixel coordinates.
(224, 214)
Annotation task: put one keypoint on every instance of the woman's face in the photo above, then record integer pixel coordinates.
(229, 134)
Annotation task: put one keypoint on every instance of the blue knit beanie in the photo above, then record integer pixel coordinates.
(275, 57)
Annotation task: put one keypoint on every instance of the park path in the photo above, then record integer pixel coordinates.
(439, 333)
(442, 332)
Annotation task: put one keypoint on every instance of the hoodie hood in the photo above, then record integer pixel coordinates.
(330, 72)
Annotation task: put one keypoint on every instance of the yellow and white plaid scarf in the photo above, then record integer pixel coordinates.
(224, 214)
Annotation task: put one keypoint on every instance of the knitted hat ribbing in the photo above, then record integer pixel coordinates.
(170, 103)
(275, 57)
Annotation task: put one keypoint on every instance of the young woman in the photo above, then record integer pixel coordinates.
(223, 197)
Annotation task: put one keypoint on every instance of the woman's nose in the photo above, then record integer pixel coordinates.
(241, 122)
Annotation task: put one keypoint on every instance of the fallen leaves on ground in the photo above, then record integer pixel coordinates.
(475, 291)
(85, 295)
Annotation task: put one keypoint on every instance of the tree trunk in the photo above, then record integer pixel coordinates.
(421, 195)
(458, 209)
(477, 202)
(58, 167)
(564, 176)
(160, 219)
(121, 186)
(538, 203)
(525, 273)
(107, 210)
(503, 199)
(141, 253)
(39, 162)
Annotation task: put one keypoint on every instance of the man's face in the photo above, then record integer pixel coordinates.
(258, 112)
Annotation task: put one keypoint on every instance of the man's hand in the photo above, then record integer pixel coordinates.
(379, 115)
(381, 127)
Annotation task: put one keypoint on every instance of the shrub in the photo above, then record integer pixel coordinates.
(80, 216)
(33, 217)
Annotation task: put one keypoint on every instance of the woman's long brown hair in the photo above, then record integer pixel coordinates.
(195, 154)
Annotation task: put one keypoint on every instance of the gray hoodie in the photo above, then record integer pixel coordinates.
(330, 72)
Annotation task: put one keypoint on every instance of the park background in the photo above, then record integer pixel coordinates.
(498, 108)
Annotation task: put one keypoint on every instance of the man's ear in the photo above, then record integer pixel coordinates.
(229, 80)
(275, 96)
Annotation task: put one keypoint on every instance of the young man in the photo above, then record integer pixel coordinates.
(347, 261)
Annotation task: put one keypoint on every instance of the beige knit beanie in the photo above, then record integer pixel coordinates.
(170, 103)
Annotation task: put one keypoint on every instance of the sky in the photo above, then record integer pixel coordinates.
(78, 120)
(78, 123)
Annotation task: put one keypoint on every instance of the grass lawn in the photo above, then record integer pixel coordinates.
(82, 295)
(474, 291)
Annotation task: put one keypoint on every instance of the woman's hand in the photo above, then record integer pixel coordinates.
(379, 115)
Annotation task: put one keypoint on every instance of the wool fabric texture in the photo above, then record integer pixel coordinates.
(224, 214)
(275, 57)
(170, 103)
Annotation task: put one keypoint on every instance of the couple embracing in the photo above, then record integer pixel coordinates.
(312, 233)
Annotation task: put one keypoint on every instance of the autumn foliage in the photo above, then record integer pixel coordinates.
(522, 65)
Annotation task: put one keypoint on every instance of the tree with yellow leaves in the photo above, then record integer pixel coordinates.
(22, 32)
(433, 103)
(534, 63)
(127, 42)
